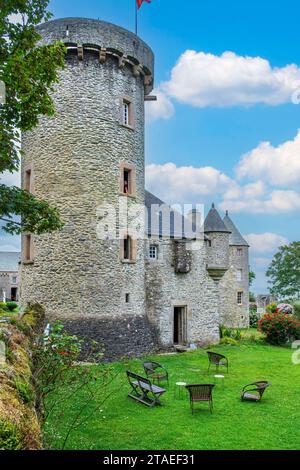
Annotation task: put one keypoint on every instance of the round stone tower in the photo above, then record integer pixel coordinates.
(85, 160)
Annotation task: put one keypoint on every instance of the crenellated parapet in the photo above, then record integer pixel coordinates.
(89, 37)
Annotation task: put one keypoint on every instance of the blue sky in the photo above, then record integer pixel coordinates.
(210, 114)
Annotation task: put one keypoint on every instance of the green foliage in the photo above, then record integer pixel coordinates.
(34, 317)
(272, 308)
(233, 333)
(284, 271)
(30, 72)
(254, 318)
(11, 306)
(297, 309)
(279, 328)
(9, 436)
(229, 341)
(252, 277)
(3, 306)
(25, 390)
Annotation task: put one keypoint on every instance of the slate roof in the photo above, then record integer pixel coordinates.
(214, 223)
(235, 237)
(9, 261)
(180, 226)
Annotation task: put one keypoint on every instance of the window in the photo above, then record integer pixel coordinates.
(239, 275)
(240, 298)
(240, 251)
(14, 280)
(127, 114)
(27, 248)
(127, 179)
(28, 180)
(128, 249)
(127, 298)
(153, 252)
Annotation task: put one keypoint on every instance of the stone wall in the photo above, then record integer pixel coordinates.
(232, 314)
(125, 337)
(194, 289)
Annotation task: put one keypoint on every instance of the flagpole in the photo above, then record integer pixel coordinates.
(136, 18)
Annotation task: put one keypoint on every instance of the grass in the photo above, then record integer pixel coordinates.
(125, 424)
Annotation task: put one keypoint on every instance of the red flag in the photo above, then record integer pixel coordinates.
(140, 2)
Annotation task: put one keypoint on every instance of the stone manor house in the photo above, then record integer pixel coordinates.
(169, 287)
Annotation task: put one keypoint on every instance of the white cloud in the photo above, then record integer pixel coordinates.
(16, 18)
(273, 202)
(265, 242)
(202, 80)
(180, 184)
(10, 179)
(163, 108)
(278, 165)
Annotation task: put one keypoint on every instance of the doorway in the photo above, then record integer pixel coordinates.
(13, 295)
(180, 325)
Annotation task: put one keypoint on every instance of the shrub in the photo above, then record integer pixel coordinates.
(11, 306)
(229, 341)
(297, 309)
(279, 328)
(3, 306)
(253, 318)
(9, 436)
(285, 308)
(272, 308)
(25, 390)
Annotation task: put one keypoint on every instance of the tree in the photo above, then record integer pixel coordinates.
(252, 277)
(29, 72)
(284, 272)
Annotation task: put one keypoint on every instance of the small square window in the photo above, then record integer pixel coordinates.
(240, 298)
(127, 179)
(153, 251)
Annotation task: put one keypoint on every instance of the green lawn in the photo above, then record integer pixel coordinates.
(126, 424)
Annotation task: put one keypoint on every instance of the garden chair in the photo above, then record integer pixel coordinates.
(217, 360)
(254, 391)
(156, 371)
(201, 393)
(143, 390)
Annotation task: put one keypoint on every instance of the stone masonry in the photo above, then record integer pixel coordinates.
(75, 160)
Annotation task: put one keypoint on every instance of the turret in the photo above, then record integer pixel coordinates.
(218, 244)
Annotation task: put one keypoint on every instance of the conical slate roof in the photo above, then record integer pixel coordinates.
(235, 238)
(214, 223)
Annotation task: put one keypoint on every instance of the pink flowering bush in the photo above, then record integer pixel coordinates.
(285, 308)
(279, 328)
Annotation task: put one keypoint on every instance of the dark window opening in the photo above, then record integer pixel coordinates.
(126, 181)
(127, 248)
(127, 298)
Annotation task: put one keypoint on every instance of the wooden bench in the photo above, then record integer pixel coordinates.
(143, 390)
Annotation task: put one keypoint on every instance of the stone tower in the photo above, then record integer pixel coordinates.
(235, 284)
(88, 156)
